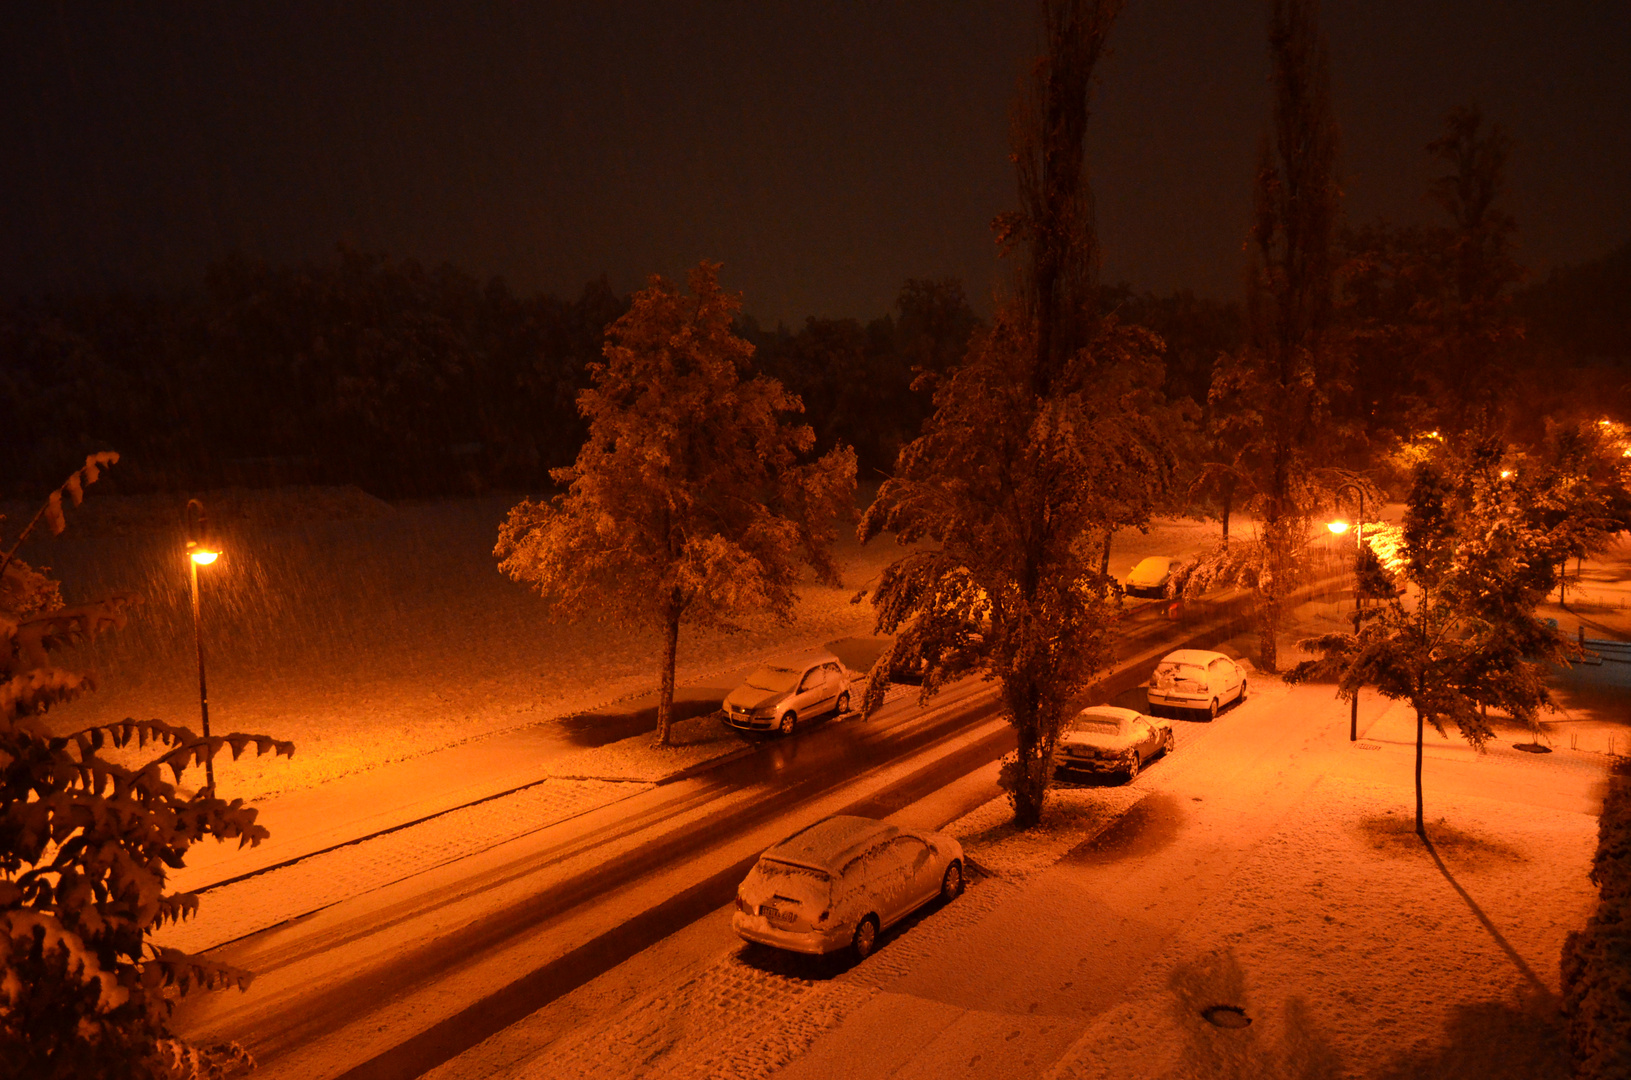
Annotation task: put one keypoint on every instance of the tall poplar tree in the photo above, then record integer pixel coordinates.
(1044, 438)
(692, 500)
(1271, 398)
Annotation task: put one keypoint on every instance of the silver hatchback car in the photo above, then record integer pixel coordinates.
(778, 696)
(842, 881)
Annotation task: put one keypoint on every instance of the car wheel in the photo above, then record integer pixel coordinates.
(843, 704)
(1242, 696)
(1132, 767)
(1169, 742)
(1212, 710)
(791, 720)
(866, 937)
(951, 886)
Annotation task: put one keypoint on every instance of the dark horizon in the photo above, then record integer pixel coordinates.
(823, 157)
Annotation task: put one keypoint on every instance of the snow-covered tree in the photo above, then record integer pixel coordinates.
(692, 499)
(1271, 399)
(1049, 435)
(1461, 636)
(86, 844)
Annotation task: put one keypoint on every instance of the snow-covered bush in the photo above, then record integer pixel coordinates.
(1597, 960)
(86, 842)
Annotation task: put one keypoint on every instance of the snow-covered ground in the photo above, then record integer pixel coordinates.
(368, 633)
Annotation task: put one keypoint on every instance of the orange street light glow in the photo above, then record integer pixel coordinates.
(1338, 527)
(204, 558)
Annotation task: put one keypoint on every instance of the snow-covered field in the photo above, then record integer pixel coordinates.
(368, 633)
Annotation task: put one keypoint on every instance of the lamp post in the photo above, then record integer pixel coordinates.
(1340, 527)
(200, 552)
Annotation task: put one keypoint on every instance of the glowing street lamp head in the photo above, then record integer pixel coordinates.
(1338, 527)
(203, 556)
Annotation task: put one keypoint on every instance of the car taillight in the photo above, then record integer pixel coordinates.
(743, 906)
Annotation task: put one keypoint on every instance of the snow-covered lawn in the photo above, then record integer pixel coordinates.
(368, 633)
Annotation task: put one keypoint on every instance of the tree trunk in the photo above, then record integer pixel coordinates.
(671, 645)
(1421, 827)
(1104, 561)
(1228, 506)
(1268, 628)
(1032, 774)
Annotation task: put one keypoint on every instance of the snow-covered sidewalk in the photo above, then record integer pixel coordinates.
(1269, 865)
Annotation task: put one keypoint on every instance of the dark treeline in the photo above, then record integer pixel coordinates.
(407, 381)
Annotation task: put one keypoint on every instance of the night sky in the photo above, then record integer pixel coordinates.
(823, 151)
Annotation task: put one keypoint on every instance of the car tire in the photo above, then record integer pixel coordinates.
(1242, 696)
(951, 885)
(1212, 710)
(789, 724)
(866, 938)
(843, 704)
(1133, 765)
(1169, 743)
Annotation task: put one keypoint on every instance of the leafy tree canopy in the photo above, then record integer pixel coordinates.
(692, 498)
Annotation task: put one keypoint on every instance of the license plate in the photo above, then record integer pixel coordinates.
(775, 914)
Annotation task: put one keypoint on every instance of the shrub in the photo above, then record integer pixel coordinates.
(86, 843)
(1597, 960)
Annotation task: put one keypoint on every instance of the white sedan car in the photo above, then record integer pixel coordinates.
(841, 882)
(1194, 680)
(1105, 738)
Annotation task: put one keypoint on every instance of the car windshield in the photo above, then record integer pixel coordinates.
(1097, 725)
(1154, 565)
(1182, 671)
(778, 680)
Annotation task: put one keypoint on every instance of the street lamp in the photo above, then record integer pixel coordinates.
(201, 551)
(1340, 527)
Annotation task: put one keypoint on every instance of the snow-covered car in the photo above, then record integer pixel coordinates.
(841, 882)
(1194, 680)
(1105, 738)
(1150, 576)
(778, 696)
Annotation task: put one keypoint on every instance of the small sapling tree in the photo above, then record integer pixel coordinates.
(692, 499)
(86, 843)
(1460, 636)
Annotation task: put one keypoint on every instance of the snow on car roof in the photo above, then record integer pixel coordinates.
(804, 660)
(1107, 712)
(824, 845)
(1199, 657)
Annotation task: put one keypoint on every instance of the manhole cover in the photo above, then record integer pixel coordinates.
(1531, 748)
(1226, 1016)
(1367, 746)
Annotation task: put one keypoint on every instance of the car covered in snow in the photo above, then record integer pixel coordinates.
(841, 882)
(1108, 739)
(780, 695)
(1194, 680)
(1150, 576)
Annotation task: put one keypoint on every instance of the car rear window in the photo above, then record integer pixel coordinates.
(1097, 725)
(1182, 671)
(778, 680)
(773, 880)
